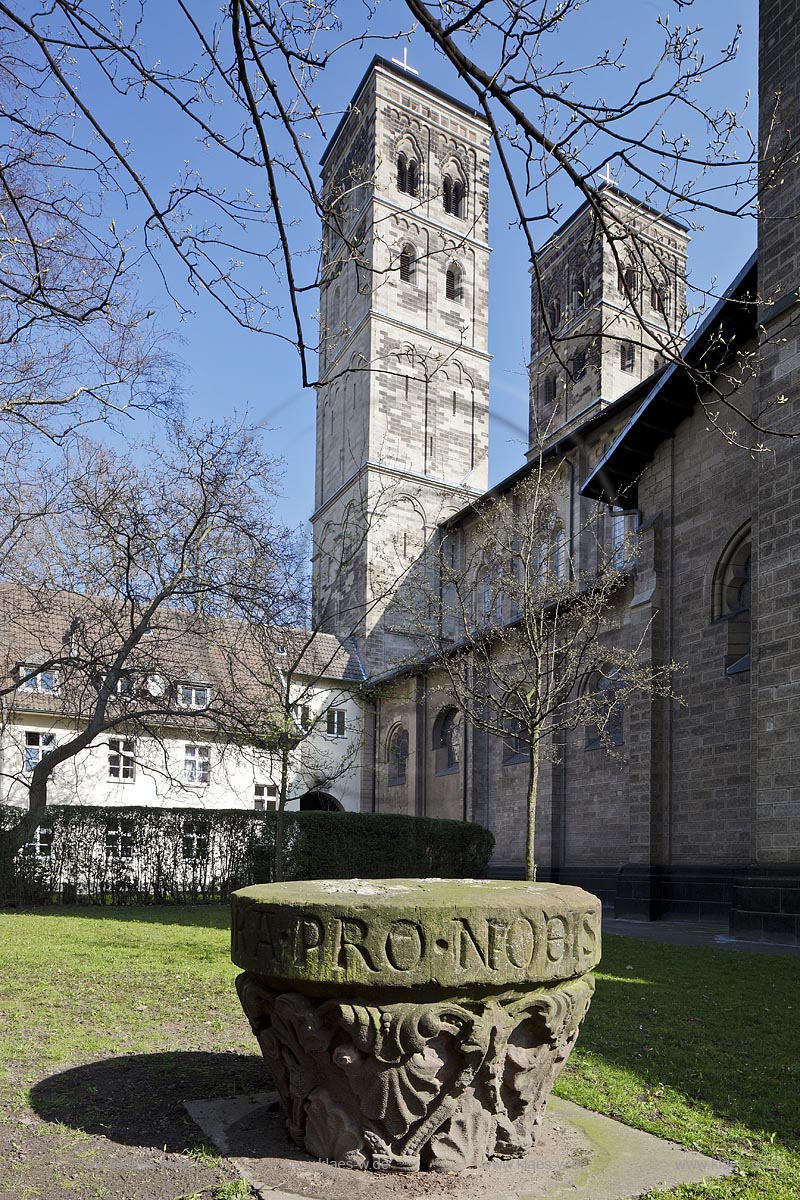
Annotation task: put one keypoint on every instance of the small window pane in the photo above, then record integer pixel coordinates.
(335, 722)
(197, 764)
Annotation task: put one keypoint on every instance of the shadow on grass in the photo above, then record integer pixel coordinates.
(720, 1028)
(137, 1100)
(212, 916)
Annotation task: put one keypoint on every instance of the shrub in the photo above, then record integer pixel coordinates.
(95, 854)
(328, 845)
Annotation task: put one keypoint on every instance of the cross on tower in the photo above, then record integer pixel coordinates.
(404, 62)
(608, 179)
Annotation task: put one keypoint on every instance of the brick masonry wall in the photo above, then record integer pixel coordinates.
(706, 805)
(776, 537)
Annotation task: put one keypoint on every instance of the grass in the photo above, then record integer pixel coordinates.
(693, 1044)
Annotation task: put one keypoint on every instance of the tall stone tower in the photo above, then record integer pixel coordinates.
(402, 402)
(608, 307)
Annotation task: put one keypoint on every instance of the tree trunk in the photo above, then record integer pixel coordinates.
(12, 840)
(279, 815)
(533, 788)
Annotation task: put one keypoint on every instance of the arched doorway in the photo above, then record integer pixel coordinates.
(319, 802)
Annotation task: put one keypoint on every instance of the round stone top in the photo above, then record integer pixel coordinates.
(412, 932)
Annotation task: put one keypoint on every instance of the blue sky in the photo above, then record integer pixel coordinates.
(227, 367)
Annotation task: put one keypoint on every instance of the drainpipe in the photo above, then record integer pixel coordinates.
(3, 728)
(465, 753)
(373, 787)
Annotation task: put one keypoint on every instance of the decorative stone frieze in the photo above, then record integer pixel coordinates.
(415, 1024)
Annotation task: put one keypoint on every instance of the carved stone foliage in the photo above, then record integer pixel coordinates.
(437, 1084)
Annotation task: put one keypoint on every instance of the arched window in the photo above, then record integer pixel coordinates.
(549, 389)
(453, 196)
(658, 298)
(335, 311)
(407, 174)
(554, 312)
(553, 558)
(397, 756)
(408, 264)
(604, 708)
(445, 741)
(628, 282)
(483, 597)
(732, 589)
(578, 365)
(627, 356)
(623, 524)
(515, 743)
(452, 282)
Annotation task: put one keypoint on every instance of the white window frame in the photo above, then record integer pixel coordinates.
(121, 760)
(302, 716)
(36, 683)
(119, 840)
(195, 841)
(33, 751)
(265, 797)
(196, 764)
(41, 843)
(186, 695)
(336, 723)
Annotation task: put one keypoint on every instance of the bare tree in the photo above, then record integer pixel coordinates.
(75, 343)
(519, 639)
(127, 573)
(244, 88)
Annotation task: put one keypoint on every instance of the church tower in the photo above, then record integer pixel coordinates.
(608, 308)
(403, 393)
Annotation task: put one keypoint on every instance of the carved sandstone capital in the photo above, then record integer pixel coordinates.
(415, 1024)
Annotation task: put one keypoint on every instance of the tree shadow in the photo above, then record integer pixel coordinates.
(214, 915)
(137, 1099)
(719, 1028)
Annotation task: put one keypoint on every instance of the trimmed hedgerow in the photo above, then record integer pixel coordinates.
(328, 845)
(124, 855)
(95, 854)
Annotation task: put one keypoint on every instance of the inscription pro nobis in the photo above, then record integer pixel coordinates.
(403, 950)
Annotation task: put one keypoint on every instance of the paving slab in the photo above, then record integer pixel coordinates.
(580, 1155)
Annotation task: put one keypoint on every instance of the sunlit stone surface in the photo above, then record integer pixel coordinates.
(415, 1024)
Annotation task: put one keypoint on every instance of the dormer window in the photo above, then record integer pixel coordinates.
(193, 695)
(42, 681)
(407, 175)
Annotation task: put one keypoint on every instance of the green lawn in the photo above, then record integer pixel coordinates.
(697, 1045)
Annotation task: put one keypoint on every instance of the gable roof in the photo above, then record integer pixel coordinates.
(241, 663)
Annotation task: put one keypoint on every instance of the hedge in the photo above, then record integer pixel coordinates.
(126, 855)
(329, 845)
(133, 855)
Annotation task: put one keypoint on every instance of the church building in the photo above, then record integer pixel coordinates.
(697, 813)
